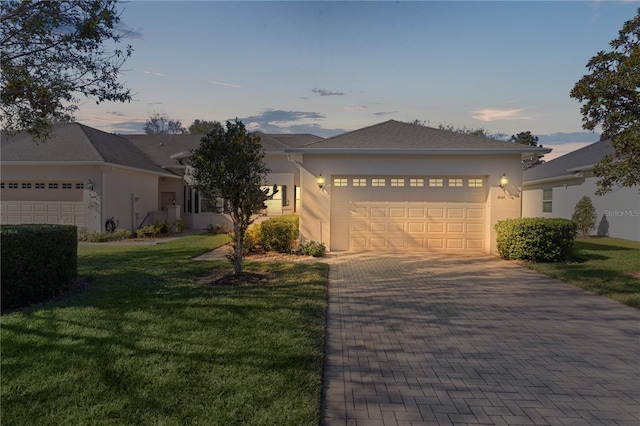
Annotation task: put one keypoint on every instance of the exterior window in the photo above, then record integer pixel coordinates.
(205, 206)
(378, 182)
(2, 185)
(79, 185)
(475, 183)
(26, 186)
(340, 182)
(188, 192)
(416, 182)
(397, 182)
(40, 186)
(359, 182)
(13, 185)
(53, 186)
(547, 200)
(456, 183)
(436, 182)
(67, 186)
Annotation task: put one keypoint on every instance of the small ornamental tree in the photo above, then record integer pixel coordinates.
(585, 216)
(228, 165)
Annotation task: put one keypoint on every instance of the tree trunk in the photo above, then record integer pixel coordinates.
(238, 249)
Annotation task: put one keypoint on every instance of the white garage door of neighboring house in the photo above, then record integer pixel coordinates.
(65, 212)
(408, 213)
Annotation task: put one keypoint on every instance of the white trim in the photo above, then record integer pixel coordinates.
(553, 179)
(87, 163)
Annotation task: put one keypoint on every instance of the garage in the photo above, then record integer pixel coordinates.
(445, 213)
(19, 212)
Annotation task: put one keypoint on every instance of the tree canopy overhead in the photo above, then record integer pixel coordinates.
(610, 97)
(526, 138)
(53, 52)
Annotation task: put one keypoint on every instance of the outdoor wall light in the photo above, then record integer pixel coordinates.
(504, 181)
(320, 181)
(90, 185)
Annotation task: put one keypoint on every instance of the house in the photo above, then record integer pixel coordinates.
(81, 176)
(398, 186)
(172, 151)
(391, 186)
(554, 188)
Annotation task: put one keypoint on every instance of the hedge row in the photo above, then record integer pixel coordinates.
(536, 239)
(38, 262)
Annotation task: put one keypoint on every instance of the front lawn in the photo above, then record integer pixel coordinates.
(606, 266)
(148, 343)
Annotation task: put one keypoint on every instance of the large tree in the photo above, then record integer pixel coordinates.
(229, 165)
(526, 138)
(610, 97)
(161, 124)
(53, 53)
(201, 127)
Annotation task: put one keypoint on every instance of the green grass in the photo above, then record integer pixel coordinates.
(146, 344)
(599, 267)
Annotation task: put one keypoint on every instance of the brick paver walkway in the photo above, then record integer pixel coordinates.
(449, 339)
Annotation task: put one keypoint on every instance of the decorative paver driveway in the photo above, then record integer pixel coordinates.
(451, 339)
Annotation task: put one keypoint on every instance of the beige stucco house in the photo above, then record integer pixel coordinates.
(391, 186)
(554, 188)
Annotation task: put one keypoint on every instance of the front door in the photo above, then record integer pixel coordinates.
(168, 199)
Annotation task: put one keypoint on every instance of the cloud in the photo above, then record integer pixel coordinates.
(381, 113)
(354, 107)
(128, 128)
(224, 84)
(499, 114)
(280, 116)
(154, 103)
(281, 121)
(564, 148)
(154, 73)
(116, 113)
(325, 92)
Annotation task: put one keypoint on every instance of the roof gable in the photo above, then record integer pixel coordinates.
(575, 161)
(397, 136)
(76, 143)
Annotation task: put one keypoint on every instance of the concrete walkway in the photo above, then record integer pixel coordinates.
(450, 339)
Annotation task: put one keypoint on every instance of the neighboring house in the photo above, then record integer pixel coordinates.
(391, 186)
(554, 188)
(80, 176)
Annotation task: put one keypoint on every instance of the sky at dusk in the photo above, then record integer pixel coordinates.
(330, 67)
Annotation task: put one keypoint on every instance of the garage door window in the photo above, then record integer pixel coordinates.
(40, 186)
(26, 186)
(435, 183)
(475, 183)
(397, 182)
(340, 182)
(359, 182)
(455, 183)
(378, 182)
(416, 182)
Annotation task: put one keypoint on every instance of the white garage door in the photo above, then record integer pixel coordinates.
(408, 213)
(18, 212)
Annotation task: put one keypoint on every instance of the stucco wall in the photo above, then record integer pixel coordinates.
(618, 211)
(127, 196)
(315, 212)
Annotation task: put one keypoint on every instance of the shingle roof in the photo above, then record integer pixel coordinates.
(581, 159)
(394, 136)
(75, 142)
(160, 148)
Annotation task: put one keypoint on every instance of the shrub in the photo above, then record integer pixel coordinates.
(38, 262)
(313, 248)
(252, 239)
(179, 225)
(585, 216)
(536, 239)
(152, 230)
(279, 234)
